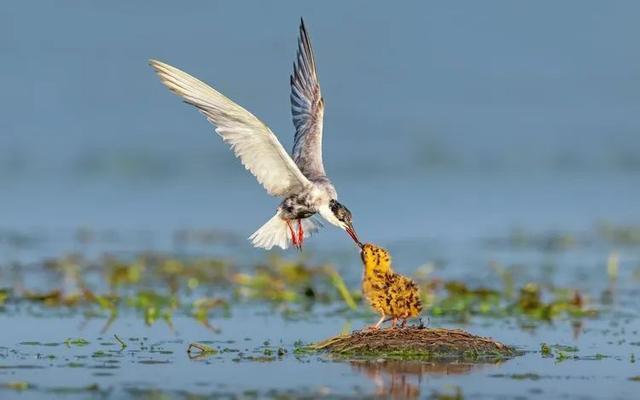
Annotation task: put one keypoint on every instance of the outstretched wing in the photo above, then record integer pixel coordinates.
(307, 108)
(251, 140)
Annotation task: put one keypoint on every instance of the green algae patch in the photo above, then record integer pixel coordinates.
(416, 343)
(76, 342)
(17, 385)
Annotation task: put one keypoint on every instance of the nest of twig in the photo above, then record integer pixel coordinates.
(416, 343)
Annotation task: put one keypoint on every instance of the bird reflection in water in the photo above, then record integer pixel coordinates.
(403, 379)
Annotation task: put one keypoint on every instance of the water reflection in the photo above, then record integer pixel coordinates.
(403, 379)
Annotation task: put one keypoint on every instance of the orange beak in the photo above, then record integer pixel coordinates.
(353, 234)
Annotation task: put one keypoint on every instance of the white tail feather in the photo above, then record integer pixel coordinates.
(276, 232)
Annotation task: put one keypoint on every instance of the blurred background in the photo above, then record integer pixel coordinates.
(443, 121)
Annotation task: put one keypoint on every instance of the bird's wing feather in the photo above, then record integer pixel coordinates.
(307, 109)
(251, 140)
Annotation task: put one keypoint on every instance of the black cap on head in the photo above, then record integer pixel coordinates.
(343, 215)
(341, 212)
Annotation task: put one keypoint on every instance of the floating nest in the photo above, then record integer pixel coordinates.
(416, 343)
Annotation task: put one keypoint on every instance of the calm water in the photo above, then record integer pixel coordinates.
(447, 126)
(156, 359)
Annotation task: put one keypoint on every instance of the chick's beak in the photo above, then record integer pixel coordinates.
(353, 234)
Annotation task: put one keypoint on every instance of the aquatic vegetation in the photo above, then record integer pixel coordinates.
(91, 388)
(4, 295)
(120, 274)
(76, 342)
(264, 286)
(203, 351)
(569, 302)
(612, 266)
(463, 302)
(560, 352)
(54, 298)
(121, 342)
(17, 385)
(623, 235)
(520, 377)
(338, 283)
(545, 350)
(202, 308)
(157, 287)
(154, 305)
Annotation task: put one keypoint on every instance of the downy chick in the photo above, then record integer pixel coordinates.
(394, 296)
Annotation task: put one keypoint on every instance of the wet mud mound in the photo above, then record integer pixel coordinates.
(417, 343)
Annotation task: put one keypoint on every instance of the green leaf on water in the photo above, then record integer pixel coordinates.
(545, 350)
(76, 342)
(17, 385)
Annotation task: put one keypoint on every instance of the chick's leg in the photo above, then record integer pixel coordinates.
(377, 325)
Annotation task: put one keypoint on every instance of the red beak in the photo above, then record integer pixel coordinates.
(353, 235)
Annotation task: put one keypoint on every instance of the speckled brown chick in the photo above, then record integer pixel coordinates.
(394, 296)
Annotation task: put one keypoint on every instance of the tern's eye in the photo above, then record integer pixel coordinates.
(334, 206)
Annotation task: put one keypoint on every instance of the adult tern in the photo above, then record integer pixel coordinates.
(299, 179)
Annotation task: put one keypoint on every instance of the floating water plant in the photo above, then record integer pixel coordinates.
(200, 351)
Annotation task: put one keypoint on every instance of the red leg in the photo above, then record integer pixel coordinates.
(293, 235)
(300, 234)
